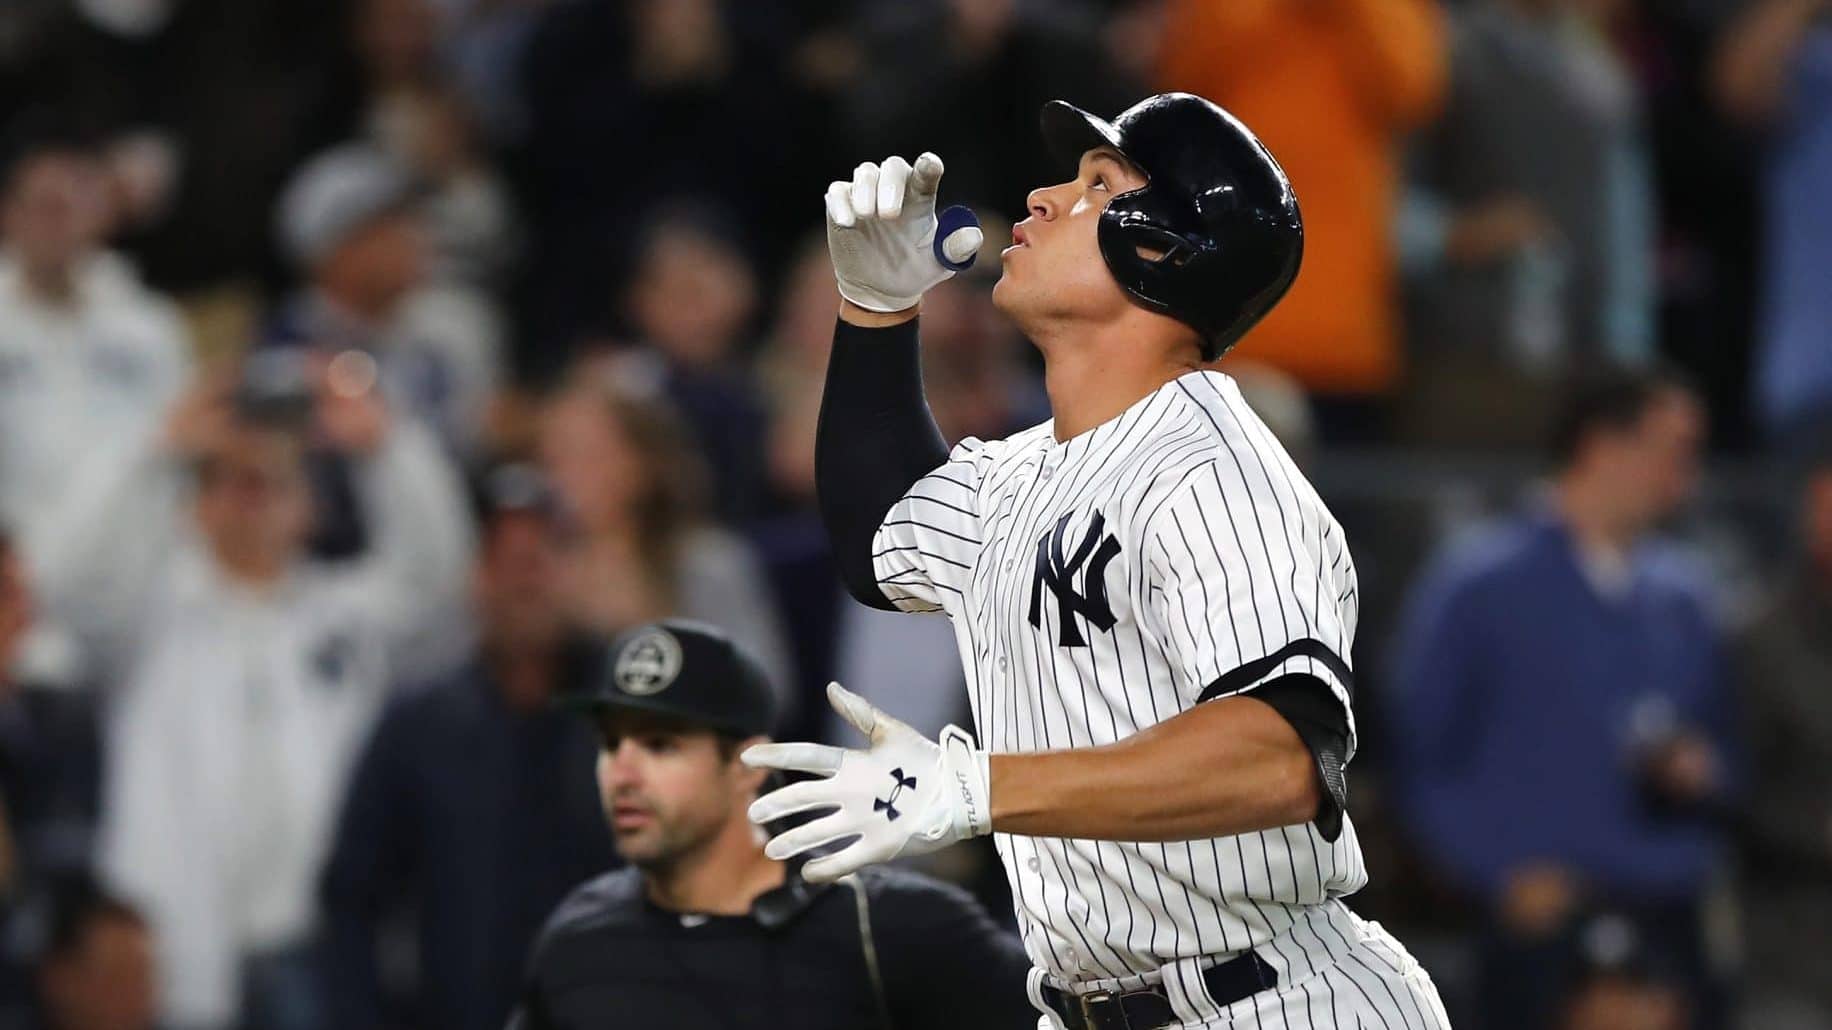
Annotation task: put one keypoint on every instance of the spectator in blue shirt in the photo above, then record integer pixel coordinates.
(472, 812)
(1774, 72)
(1561, 710)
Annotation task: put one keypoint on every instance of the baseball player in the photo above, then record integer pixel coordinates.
(1153, 608)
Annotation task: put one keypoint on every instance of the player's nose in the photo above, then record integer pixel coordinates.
(1042, 203)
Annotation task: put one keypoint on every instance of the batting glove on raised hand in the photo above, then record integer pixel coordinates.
(882, 232)
(902, 795)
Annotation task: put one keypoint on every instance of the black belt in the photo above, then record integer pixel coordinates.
(1149, 1007)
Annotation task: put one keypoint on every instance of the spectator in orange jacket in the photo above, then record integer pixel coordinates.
(1329, 85)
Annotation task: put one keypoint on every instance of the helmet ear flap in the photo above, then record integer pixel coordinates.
(1138, 251)
(1142, 254)
(1165, 247)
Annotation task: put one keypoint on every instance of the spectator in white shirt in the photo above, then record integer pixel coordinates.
(248, 674)
(88, 355)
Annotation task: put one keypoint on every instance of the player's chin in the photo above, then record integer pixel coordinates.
(1005, 292)
(639, 847)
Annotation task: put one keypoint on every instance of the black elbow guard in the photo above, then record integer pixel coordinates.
(1312, 709)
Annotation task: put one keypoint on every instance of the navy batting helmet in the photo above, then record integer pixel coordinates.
(1217, 210)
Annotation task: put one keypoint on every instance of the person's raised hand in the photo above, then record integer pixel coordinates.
(888, 244)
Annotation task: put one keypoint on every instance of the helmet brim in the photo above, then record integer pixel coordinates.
(1070, 132)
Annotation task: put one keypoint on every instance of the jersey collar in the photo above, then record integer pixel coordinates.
(773, 909)
(1088, 439)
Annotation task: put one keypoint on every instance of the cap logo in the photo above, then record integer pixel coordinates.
(648, 664)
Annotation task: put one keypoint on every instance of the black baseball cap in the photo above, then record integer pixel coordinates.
(688, 670)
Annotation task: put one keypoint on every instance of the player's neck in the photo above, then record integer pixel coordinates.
(1097, 379)
(723, 878)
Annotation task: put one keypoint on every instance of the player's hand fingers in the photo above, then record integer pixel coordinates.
(839, 205)
(865, 191)
(925, 177)
(813, 758)
(856, 710)
(963, 243)
(893, 178)
(809, 836)
(796, 797)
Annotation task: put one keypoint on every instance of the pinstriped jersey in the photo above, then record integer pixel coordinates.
(1106, 583)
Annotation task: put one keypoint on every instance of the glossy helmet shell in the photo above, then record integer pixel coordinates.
(1217, 210)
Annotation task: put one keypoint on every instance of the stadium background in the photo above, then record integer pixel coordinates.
(516, 204)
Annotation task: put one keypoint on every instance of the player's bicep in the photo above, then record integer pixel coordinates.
(925, 548)
(1235, 612)
(1248, 591)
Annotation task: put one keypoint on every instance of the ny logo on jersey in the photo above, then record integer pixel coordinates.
(1093, 553)
(899, 783)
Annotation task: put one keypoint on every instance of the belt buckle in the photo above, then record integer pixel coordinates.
(1097, 1007)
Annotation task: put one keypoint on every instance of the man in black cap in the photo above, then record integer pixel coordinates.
(704, 930)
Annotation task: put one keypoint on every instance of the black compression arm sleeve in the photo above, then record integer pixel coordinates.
(876, 438)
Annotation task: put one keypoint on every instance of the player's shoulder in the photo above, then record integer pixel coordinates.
(980, 465)
(1211, 445)
(608, 902)
(1212, 401)
(1016, 444)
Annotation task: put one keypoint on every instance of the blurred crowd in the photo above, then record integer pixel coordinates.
(359, 360)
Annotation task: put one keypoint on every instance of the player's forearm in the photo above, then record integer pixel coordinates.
(875, 438)
(1226, 767)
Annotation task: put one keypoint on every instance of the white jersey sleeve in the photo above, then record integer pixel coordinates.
(924, 550)
(1249, 579)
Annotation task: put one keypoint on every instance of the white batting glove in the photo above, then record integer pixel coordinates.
(881, 231)
(903, 795)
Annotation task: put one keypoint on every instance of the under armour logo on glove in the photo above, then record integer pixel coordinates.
(889, 805)
(943, 793)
